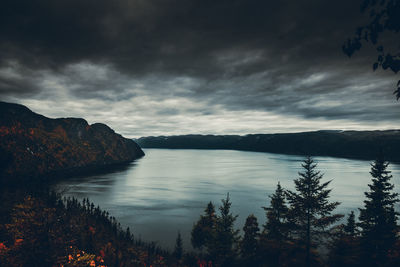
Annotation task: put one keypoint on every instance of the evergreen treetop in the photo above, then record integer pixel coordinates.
(226, 236)
(249, 245)
(350, 228)
(204, 230)
(276, 226)
(378, 218)
(310, 209)
(178, 250)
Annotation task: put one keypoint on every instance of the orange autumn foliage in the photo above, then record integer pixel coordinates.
(3, 248)
(38, 145)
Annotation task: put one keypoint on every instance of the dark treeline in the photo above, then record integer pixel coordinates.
(346, 144)
(302, 229)
(39, 228)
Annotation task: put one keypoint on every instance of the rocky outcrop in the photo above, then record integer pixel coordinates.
(34, 145)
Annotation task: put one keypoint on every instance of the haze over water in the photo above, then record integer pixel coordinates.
(167, 190)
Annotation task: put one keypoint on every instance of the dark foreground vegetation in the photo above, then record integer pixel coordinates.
(346, 144)
(39, 228)
(303, 230)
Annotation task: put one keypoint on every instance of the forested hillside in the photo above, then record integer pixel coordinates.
(347, 144)
(33, 145)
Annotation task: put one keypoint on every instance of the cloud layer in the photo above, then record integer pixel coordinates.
(149, 67)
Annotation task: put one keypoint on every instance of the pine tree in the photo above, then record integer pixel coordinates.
(378, 219)
(226, 236)
(350, 227)
(203, 232)
(310, 208)
(276, 227)
(128, 235)
(178, 251)
(216, 234)
(249, 244)
(275, 236)
(344, 250)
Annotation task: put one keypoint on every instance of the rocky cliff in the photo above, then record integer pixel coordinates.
(34, 145)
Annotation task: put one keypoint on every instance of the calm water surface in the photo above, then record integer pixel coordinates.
(166, 191)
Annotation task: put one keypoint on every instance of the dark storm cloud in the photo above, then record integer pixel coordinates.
(329, 93)
(18, 80)
(186, 37)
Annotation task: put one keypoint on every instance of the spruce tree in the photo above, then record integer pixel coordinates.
(350, 228)
(276, 226)
(344, 250)
(227, 237)
(128, 235)
(378, 219)
(310, 208)
(275, 236)
(178, 251)
(217, 234)
(249, 243)
(203, 232)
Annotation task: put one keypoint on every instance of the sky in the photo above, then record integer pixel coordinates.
(168, 67)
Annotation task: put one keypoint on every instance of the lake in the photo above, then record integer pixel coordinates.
(167, 190)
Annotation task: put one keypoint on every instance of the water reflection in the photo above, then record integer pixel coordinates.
(167, 190)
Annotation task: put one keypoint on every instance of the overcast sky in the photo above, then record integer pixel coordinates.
(164, 67)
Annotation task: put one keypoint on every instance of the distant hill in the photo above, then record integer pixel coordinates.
(347, 144)
(34, 145)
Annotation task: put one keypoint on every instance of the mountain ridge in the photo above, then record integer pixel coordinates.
(366, 145)
(34, 145)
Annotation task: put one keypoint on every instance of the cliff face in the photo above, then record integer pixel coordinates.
(31, 144)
